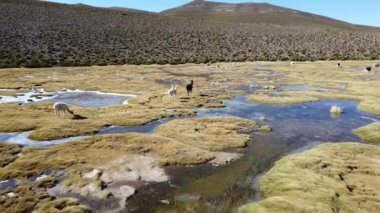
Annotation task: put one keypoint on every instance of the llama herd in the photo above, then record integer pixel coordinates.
(173, 90)
(62, 108)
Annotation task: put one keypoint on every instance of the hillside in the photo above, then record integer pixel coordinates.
(36, 33)
(253, 13)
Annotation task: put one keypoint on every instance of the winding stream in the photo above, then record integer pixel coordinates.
(207, 188)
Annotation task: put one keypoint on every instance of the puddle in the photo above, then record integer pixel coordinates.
(89, 98)
(8, 184)
(28, 97)
(22, 139)
(75, 97)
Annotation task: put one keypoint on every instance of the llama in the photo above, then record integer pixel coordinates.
(233, 64)
(62, 107)
(291, 63)
(173, 91)
(368, 69)
(375, 65)
(338, 64)
(189, 87)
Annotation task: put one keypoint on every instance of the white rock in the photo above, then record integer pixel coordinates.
(165, 201)
(11, 194)
(126, 192)
(43, 176)
(93, 174)
(262, 118)
(336, 110)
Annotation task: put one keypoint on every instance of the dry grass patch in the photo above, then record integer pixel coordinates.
(48, 126)
(22, 199)
(63, 205)
(209, 133)
(369, 133)
(91, 152)
(340, 177)
(8, 153)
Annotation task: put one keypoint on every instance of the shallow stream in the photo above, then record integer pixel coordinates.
(208, 188)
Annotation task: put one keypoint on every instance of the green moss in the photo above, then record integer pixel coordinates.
(64, 205)
(209, 133)
(97, 150)
(369, 133)
(327, 178)
(24, 199)
(370, 105)
(8, 153)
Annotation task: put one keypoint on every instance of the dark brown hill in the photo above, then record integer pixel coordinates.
(38, 33)
(254, 13)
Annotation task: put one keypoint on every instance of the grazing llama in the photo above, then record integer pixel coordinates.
(189, 87)
(62, 107)
(368, 69)
(173, 91)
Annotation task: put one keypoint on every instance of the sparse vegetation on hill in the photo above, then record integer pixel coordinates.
(42, 34)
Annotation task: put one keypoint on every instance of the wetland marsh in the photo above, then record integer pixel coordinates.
(209, 151)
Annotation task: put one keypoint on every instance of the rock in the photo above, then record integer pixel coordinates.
(262, 118)
(93, 174)
(43, 176)
(123, 193)
(265, 128)
(94, 190)
(223, 158)
(336, 110)
(133, 169)
(126, 191)
(11, 194)
(165, 201)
